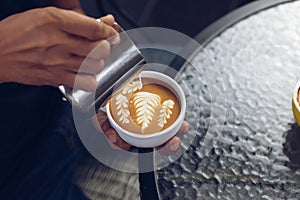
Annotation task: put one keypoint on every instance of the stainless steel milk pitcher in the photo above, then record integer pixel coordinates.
(124, 64)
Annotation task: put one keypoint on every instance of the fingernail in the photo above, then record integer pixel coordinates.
(174, 146)
(112, 138)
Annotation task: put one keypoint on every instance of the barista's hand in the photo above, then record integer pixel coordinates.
(101, 123)
(47, 46)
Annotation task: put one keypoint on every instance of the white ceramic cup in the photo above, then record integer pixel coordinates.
(159, 138)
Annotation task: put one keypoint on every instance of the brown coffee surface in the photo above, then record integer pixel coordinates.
(145, 108)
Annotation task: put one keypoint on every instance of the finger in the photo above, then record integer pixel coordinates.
(84, 82)
(83, 26)
(170, 147)
(91, 66)
(102, 124)
(101, 117)
(77, 64)
(108, 19)
(183, 129)
(106, 125)
(96, 50)
(120, 144)
(98, 120)
(118, 147)
(116, 142)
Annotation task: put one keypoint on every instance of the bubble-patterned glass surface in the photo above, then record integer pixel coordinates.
(257, 153)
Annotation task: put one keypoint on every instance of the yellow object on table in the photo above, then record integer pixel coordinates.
(296, 102)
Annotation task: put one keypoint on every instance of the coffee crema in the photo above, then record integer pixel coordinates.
(144, 107)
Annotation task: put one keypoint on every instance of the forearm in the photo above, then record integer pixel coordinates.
(69, 5)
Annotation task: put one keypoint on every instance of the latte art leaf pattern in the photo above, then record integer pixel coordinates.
(165, 112)
(122, 107)
(132, 87)
(145, 104)
(144, 108)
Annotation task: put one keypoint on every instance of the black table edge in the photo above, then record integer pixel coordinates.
(148, 186)
(215, 29)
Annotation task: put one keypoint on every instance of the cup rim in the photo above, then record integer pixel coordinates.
(295, 95)
(156, 134)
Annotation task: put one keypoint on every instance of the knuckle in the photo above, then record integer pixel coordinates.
(51, 9)
(45, 20)
(47, 16)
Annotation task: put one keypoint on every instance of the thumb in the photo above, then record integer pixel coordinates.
(98, 120)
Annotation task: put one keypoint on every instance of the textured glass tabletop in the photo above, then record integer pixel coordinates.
(256, 155)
